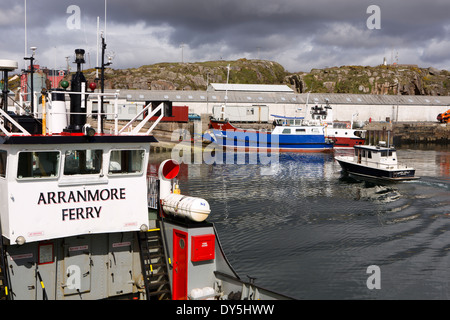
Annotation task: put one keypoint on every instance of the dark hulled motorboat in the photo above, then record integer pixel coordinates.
(375, 162)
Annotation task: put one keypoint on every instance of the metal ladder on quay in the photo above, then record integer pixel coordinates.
(154, 266)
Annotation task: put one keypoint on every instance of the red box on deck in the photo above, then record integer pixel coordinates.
(203, 247)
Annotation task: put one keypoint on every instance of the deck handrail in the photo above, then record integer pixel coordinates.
(47, 95)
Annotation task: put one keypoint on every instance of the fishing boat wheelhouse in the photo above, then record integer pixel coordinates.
(343, 134)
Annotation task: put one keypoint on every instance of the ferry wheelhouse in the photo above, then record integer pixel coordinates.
(80, 220)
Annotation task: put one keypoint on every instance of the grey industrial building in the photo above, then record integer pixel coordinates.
(282, 100)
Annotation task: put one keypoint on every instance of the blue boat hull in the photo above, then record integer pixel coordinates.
(254, 140)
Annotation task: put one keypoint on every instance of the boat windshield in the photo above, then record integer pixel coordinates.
(39, 164)
(82, 162)
(289, 122)
(126, 161)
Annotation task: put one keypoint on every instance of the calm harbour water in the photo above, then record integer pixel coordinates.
(301, 229)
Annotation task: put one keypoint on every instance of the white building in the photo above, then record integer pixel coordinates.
(282, 100)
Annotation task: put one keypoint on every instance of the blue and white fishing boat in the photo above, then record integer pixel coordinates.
(290, 134)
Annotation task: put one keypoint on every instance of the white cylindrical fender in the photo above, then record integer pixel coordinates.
(58, 118)
(196, 209)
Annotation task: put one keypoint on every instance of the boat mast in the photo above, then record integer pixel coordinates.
(222, 113)
(31, 72)
(102, 81)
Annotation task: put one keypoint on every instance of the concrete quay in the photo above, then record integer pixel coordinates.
(170, 134)
(408, 132)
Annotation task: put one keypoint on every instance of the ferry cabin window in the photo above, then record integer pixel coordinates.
(2, 163)
(39, 164)
(126, 161)
(82, 162)
(286, 131)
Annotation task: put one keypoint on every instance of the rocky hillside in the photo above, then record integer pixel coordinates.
(193, 76)
(400, 79)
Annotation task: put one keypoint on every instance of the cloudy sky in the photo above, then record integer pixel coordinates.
(298, 34)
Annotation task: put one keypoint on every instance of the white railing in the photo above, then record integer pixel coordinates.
(17, 125)
(43, 114)
(138, 128)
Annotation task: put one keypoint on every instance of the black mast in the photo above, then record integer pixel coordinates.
(31, 72)
(102, 82)
(77, 111)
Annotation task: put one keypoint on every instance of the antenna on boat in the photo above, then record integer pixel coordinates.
(96, 64)
(25, 20)
(31, 71)
(102, 79)
(353, 115)
(222, 113)
(307, 103)
(389, 139)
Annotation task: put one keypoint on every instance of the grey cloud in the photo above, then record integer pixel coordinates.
(272, 27)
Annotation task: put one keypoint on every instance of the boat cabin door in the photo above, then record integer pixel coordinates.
(180, 265)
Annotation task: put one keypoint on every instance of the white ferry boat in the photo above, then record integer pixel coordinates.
(78, 215)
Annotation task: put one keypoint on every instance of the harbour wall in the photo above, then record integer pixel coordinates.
(408, 133)
(397, 133)
(345, 107)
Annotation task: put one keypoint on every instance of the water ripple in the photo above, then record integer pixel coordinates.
(304, 231)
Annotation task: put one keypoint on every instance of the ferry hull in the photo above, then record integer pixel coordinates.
(115, 266)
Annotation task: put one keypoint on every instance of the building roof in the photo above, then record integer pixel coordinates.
(373, 99)
(263, 97)
(250, 87)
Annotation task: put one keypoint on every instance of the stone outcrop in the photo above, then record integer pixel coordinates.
(384, 79)
(194, 76)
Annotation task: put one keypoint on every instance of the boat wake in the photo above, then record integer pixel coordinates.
(433, 182)
(379, 194)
